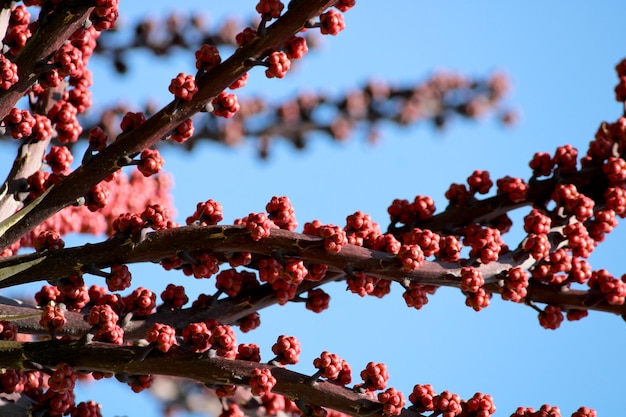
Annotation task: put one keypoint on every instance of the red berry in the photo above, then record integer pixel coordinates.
(225, 105)
(207, 57)
(261, 381)
(163, 336)
(392, 400)
(183, 86)
(278, 65)
(270, 9)
(197, 337)
(331, 22)
(287, 350)
(150, 162)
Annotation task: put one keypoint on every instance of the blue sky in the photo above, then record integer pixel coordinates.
(560, 57)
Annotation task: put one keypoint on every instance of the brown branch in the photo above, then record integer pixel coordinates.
(227, 239)
(78, 183)
(132, 360)
(48, 38)
(590, 181)
(227, 311)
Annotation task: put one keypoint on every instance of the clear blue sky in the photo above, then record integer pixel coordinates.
(560, 57)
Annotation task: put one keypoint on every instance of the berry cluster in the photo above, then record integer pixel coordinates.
(333, 368)
(287, 350)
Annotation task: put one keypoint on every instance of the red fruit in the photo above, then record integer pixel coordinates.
(331, 22)
(183, 86)
(163, 336)
(287, 350)
(261, 381)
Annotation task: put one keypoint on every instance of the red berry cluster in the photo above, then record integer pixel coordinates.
(375, 377)
(392, 400)
(119, 279)
(515, 285)
(156, 216)
(8, 331)
(105, 319)
(207, 213)
(541, 164)
(478, 300)
(422, 208)
(479, 182)
(249, 352)
(317, 300)
(105, 14)
(278, 64)
(163, 336)
(63, 116)
(361, 230)
(572, 202)
(225, 105)
(471, 279)
(249, 322)
(515, 188)
(69, 59)
(141, 301)
(427, 240)
(259, 225)
(174, 297)
(18, 31)
(551, 317)
(132, 121)
(447, 404)
(270, 9)
(416, 295)
(183, 86)
(48, 240)
(486, 242)
(411, 257)
(261, 381)
(19, 123)
(8, 73)
(197, 337)
(613, 289)
(206, 265)
(207, 57)
(150, 162)
(281, 212)
(129, 223)
(331, 22)
(296, 47)
(233, 410)
(334, 236)
(480, 405)
(231, 281)
(87, 409)
(183, 131)
(224, 341)
(422, 398)
(333, 368)
(287, 350)
(565, 158)
(52, 318)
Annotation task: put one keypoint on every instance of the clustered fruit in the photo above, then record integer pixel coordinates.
(562, 228)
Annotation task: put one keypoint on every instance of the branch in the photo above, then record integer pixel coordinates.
(77, 184)
(50, 35)
(132, 360)
(167, 243)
